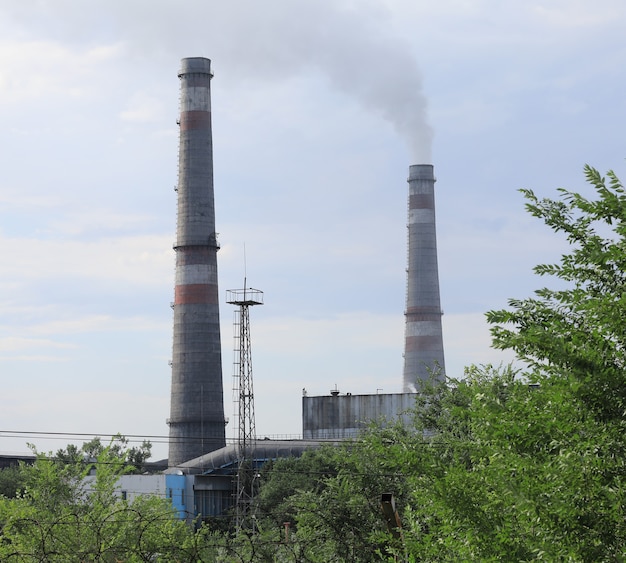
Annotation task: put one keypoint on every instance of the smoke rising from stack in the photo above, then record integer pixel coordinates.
(349, 47)
(350, 44)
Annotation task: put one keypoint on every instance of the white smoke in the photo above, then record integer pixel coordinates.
(353, 44)
(368, 63)
(354, 48)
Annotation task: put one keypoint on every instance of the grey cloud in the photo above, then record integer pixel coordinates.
(263, 41)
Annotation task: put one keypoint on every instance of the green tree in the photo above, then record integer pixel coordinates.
(526, 478)
(331, 499)
(63, 516)
(135, 456)
(577, 330)
(493, 469)
(501, 465)
(282, 479)
(11, 481)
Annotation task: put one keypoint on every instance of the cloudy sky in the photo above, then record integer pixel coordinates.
(319, 107)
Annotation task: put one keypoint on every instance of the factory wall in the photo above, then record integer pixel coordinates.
(172, 487)
(210, 479)
(177, 488)
(345, 416)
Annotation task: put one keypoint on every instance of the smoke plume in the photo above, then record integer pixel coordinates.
(351, 43)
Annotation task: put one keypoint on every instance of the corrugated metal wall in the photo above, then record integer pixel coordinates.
(345, 416)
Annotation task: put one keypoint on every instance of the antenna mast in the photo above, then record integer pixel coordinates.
(244, 403)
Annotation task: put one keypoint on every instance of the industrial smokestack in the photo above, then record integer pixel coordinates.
(197, 424)
(423, 347)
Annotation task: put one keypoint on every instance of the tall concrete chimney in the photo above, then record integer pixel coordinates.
(423, 346)
(197, 424)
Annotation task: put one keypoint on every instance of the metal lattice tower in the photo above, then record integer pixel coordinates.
(243, 395)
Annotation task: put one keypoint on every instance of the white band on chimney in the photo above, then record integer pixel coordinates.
(421, 216)
(196, 273)
(423, 328)
(197, 98)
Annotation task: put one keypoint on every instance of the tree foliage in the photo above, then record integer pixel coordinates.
(133, 457)
(11, 481)
(501, 465)
(513, 472)
(578, 331)
(62, 516)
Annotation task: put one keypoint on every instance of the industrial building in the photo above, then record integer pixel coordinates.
(342, 417)
(201, 468)
(208, 480)
(345, 416)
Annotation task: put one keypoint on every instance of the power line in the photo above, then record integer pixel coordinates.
(77, 435)
(157, 438)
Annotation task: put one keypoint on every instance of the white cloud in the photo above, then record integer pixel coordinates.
(351, 332)
(143, 108)
(467, 341)
(87, 222)
(96, 324)
(139, 260)
(11, 199)
(578, 15)
(18, 344)
(30, 411)
(308, 174)
(35, 71)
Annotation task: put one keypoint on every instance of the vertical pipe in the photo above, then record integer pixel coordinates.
(196, 422)
(423, 348)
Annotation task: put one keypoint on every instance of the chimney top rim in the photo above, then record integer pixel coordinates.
(199, 65)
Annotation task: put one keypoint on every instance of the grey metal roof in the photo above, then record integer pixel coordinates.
(225, 459)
